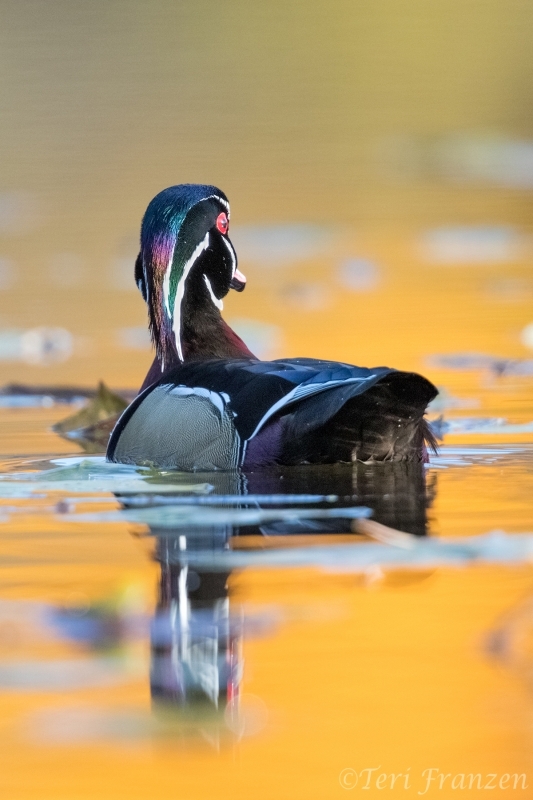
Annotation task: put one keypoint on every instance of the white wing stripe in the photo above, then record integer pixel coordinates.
(303, 391)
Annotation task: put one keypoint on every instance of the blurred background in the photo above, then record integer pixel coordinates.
(378, 157)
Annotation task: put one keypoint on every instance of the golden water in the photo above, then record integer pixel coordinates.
(377, 125)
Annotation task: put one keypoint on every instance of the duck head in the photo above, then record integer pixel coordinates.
(186, 266)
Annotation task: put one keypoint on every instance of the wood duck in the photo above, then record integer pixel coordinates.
(208, 403)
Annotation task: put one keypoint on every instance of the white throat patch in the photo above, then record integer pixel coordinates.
(217, 302)
(232, 255)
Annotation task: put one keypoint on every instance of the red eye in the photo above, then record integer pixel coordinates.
(222, 223)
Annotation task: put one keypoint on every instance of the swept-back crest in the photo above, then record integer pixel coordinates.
(167, 246)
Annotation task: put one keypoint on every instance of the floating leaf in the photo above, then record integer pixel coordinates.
(92, 425)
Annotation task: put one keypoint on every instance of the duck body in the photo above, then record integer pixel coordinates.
(229, 413)
(208, 403)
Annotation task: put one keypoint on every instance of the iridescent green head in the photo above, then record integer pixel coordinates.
(184, 248)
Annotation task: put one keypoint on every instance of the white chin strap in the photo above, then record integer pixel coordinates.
(216, 301)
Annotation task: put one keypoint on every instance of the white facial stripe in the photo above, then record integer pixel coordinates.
(176, 323)
(147, 285)
(220, 200)
(219, 304)
(232, 254)
(166, 279)
(166, 284)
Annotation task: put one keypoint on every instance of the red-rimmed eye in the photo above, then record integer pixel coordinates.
(222, 223)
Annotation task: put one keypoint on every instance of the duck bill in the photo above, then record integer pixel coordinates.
(238, 282)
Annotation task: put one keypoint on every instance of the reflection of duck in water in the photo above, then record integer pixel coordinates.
(395, 491)
(195, 644)
(315, 498)
(196, 640)
(208, 403)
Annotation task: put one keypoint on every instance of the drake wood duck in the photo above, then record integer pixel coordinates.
(208, 403)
